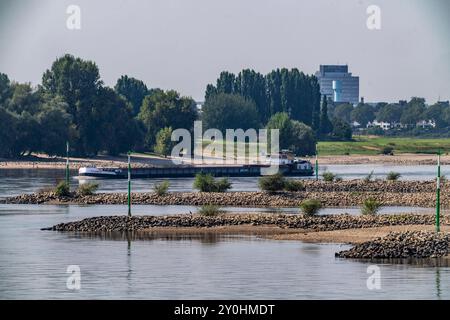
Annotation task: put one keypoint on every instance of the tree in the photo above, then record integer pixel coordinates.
(390, 113)
(343, 112)
(413, 112)
(116, 129)
(8, 131)
(133, 90)
(438, 113)
(281, 90)
(325, 124)
(166, 109)
(164, 142)
(303, 139)
(363, 114)
(341, 130)
(77, 82)
(5, 88)
(293, 135)
(23, 98)
(229, 111)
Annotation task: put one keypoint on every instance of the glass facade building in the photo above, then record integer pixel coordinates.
(349, 84)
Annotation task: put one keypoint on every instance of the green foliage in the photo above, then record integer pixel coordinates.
(310, 207)
(390, 113)
(229, 111)
(293, 185)
(387, 150)
(62, 189)
(393, 176)
(369, 145)
(343, 112)
(341, 130)
(87, 189)
(363, 114)
(328, 176)
(369, 177)
(133, 90)
(162, 188)
(370, 206)
(164, 109)
(164, 143)
(206, 183)
(272, 183)
(293, 135)
(281, 90)
(413, 112)
(325, 124)
(209, 210)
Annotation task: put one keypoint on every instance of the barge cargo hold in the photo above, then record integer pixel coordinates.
(300, 168)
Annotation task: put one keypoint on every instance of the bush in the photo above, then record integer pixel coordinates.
(209, 210)
(161, 188)
(206, 183)
(293, 185)
(272, 183)
(328, 176)
(369, 177)
(393, 176)
(62, 189)
(370, 206)
(310, 207)
(338, 179)
(388, 150)
(87, 189)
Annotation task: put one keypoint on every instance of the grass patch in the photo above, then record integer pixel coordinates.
(370, 207)
(272, 183)
(162, 188)
(328, 176)
(62, 189)
(87, 189)
(207, 183)
(372, 145)
(209, 210)
(293, 185)
(310, 207)
(393, 176)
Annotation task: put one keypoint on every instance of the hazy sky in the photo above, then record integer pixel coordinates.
(185, 44)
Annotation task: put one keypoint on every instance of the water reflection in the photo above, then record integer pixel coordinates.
(203, 236)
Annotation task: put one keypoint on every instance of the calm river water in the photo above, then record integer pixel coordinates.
(33, 263)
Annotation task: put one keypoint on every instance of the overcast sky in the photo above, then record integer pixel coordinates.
(185, 44)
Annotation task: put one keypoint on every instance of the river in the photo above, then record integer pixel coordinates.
(33, 263)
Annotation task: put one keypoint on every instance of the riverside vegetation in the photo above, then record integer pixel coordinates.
(336, 194)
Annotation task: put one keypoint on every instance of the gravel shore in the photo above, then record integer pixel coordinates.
(411, 242)
(316, 223)
(401, 245)
(335, 194)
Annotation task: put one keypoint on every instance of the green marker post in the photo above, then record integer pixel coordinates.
(67, 164)
(316, 169)
(438, 194)
(129, 184)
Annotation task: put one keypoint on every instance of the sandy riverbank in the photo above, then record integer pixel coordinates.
(398, 159)
(45, 162)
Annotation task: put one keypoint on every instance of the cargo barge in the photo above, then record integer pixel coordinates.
(287, 166)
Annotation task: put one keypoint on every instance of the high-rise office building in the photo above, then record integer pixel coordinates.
(338, 84)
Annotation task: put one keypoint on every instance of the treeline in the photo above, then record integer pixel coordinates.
(283, 99)
(402, 116)
(73, 104)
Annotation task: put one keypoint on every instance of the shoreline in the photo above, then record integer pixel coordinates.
(142, 161)
(371, 237)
